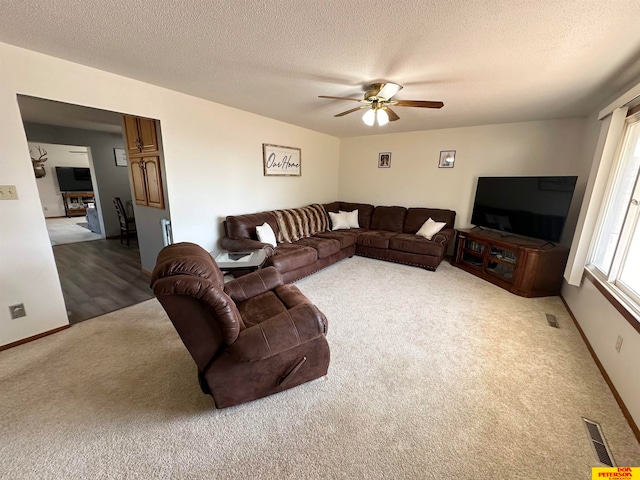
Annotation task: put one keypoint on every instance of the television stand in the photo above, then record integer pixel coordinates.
(519, 265)
(75, 203)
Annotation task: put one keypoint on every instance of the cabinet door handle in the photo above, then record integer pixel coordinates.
(634, 201)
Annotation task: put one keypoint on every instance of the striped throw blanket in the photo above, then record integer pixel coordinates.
(297, 223)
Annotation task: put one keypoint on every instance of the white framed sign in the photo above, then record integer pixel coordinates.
(281, 160)
(121, 157)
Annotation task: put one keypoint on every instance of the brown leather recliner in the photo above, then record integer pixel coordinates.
(251, 337)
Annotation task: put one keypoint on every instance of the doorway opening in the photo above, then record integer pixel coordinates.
(98, 272)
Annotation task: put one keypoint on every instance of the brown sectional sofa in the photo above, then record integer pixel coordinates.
(385, 233)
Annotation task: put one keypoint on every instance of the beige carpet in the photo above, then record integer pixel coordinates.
(433, 375)
(66, 230)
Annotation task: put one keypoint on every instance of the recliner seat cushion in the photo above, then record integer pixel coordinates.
(405, 242)
(375, 238)
(259, 308)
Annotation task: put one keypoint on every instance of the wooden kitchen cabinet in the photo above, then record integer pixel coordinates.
(144, 161)
(141, 135)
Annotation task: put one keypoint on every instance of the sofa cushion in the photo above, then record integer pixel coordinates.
(365, 211)
(266, 234)
(289, 256)
(339, 221)
(430, 228)
(406, 242)
(332, 207)
(347, 238)
(416, 217)
(324, 246)
(352, 218)
(389, 218)
(376, 238)
(296, 223)
(244, 226)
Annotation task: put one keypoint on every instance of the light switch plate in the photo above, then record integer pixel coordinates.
(8, 192)
(17, 311)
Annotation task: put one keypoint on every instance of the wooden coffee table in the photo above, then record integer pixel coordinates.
(240, 263)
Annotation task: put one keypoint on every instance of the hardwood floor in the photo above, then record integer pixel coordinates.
(100, 276)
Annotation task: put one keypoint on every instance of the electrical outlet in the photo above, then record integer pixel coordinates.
(8, 192)
(618, 344)
(17, 311)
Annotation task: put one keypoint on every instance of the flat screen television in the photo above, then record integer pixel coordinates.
(74, 179)
(535, 207)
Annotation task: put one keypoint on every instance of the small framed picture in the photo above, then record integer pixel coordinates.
(121, 157)
(384, 160)
(447, 158)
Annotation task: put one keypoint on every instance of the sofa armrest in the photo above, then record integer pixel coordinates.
(444, 236)
(253, 284)
(277, 334)
(245, 245)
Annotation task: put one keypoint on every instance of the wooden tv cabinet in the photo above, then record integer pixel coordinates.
(526, 267)
(75, 203)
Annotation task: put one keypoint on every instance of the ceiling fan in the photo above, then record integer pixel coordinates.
(377, 101)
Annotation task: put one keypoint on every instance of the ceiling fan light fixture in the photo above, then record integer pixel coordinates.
(382, 116)
(369, 117)
(388, 90)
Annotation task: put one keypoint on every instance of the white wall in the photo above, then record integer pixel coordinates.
(601, 324)
(48, 188)
(549, 147)
(213, 163)
(599, 320)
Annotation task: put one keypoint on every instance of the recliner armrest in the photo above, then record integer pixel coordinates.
(245, 245)
(253, 284)
(283, 332)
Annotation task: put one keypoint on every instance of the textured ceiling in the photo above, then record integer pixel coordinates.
(489, 61)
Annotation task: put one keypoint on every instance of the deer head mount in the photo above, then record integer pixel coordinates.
(38, 163)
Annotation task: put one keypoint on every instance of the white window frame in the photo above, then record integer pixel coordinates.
(629, 298)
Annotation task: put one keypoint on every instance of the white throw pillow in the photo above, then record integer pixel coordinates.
(339, 221)
(430, 228)
(352, 218)
(265, 234)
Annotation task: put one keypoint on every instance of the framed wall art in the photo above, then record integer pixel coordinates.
(121, 157)
(384, 160)
(447, 159)
(279, 160)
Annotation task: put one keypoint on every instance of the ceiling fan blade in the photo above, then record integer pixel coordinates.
(341, 98)
(393, 116)
(388, 90)
(419, 103)
(351, 111)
